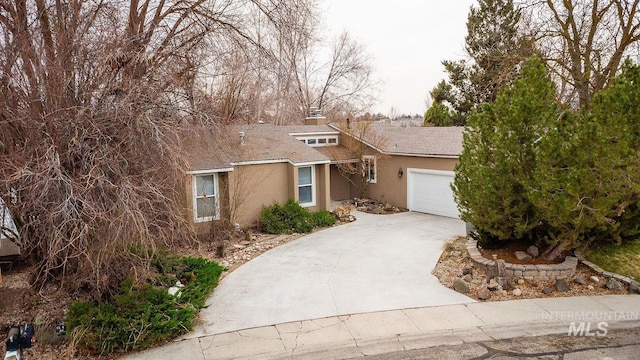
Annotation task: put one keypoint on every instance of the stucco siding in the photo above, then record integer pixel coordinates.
(253, 186)
(391, 188)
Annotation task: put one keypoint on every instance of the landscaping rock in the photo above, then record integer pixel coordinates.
(562, 285)
(522, 256)
(520, 281)
(483, 293)
(468, 278)
(533, 251)
(494, 285)
(590, 287)
(461, 286)
(547, 291)
(516, 292)
(580, 281)
(595, 279)
(467, 271)
(634, 288)
(613, 284)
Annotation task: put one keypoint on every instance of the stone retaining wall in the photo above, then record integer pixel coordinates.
(527, 271)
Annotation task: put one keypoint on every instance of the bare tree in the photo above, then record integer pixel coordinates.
(362, 141)
(91, 93)
(584, 41)
(344, 83)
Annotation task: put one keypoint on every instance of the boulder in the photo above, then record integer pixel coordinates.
(516, 292)
(494, 284)
(483, 293)
(595, 279)
(613, 284)
(634, 288)
(579, 280)
(461, 286)
(533, 251)
(562, 285)
(522, 256)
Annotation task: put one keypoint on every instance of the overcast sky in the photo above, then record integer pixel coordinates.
(407, 40)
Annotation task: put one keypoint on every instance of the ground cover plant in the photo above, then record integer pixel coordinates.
(143, 316)
(291, 217)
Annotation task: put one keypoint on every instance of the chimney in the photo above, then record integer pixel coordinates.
(315, 117)
(241, 133)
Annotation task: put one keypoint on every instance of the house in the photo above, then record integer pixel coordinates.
(415, 170)
(236, 170)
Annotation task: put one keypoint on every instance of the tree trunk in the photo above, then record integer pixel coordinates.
(553, 252)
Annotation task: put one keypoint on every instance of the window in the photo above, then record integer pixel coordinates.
(369, 168)
(320, 140)
(306, 186)
(205, 198)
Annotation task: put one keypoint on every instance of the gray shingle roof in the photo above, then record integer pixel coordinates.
(210, 148)
(417, 141)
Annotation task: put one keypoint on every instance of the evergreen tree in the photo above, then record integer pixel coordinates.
(438, 115)
(496, 166)
(587, 180)
(495, 47)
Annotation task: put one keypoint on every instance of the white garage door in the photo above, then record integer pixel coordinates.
(429, 191)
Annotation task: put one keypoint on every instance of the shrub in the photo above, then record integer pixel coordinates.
(291, 217)
(141, 317)
(323, 219)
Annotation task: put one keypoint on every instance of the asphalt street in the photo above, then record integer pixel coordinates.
(617, 344)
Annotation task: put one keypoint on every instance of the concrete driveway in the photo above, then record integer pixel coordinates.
(379, 262)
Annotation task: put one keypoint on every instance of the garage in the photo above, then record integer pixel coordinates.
(429, 191)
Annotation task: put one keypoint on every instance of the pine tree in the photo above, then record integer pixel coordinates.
(495, 47)
(498, 158)
(587, 180)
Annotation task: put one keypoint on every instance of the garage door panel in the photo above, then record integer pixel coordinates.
(429, 191)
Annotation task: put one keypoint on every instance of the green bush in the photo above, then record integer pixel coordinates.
(141, 317)
(323, 219)
(291, 217)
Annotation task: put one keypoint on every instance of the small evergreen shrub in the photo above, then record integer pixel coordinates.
(323, 219)
(291, 217)
(138, 318)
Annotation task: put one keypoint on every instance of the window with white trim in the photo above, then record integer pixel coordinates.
(369, 168)
(206, 206)
(306, 186)
(314, 141)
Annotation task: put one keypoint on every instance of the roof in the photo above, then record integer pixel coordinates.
(338, 153)
(215, 148)
(414, 141)
(219, 148)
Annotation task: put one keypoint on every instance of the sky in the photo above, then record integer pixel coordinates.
(407, 40)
